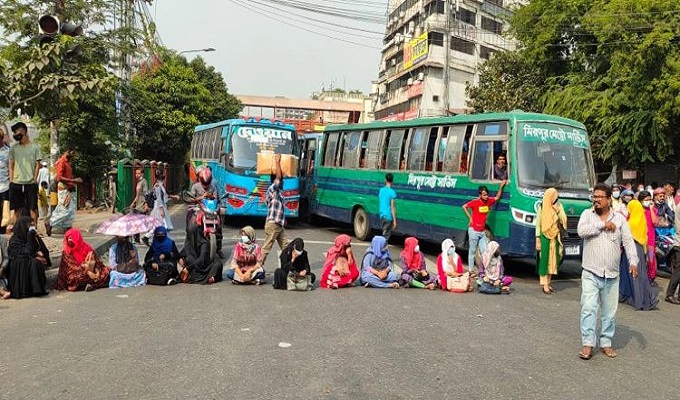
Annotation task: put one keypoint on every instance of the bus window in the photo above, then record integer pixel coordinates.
(483, 159)
(394, 149)
(311, 156)
(373, 150)
(453, 148)
(499, 128)
(418, 148)
(200, 144)
(362, 150)
(216, 143)
(352, 148)
(329, 156)
(431, 143)
(341, 149)
(466, 149)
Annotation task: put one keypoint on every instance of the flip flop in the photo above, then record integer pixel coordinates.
(609, 352)
(583, 355)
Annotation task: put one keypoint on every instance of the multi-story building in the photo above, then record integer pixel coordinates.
(414, 79)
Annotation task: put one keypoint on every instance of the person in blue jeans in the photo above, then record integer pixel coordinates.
(604, 232)
(479, 211)
(388, 212)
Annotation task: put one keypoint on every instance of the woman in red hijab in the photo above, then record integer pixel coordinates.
(80, 268)
(340, 267)
(413, 269)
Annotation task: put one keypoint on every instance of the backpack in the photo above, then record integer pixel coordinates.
(150, 198)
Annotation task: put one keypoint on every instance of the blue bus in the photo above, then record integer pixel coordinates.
(230, 149)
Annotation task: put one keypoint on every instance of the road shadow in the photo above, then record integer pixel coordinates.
(625, 334)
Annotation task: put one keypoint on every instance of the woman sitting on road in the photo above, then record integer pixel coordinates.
(413, 269)
(124, 263)
(4, 261)
(452, 275)
(199, 267)
(246, 266)
(27, 261)
(491, 278)
(339, 268)
(376, 267)
(80, 268)
(293, 260)
(160, 262)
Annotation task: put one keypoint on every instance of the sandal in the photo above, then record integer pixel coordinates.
(586, 353)
(546, 291)
(609, 352)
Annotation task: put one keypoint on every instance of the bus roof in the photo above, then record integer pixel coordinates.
(263, 122)
(457, 119)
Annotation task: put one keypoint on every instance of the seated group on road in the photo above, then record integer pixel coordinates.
(24, 261)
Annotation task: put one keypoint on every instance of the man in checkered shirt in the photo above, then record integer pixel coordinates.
(276, 219)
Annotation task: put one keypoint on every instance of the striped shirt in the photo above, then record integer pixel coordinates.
(601, 248)
(275, 211)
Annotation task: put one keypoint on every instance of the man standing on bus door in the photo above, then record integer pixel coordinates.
(276, 218)
(388, 212)
(480, 207)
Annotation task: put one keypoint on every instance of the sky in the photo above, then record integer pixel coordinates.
(261, 56)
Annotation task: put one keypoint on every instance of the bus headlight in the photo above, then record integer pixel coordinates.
(523, 217)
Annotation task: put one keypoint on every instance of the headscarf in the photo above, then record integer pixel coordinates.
(446, 245)
(80, 248)
(492, 264)
(123, 248)
(287, 252)
(637, 221)
(413, 259)
(20, 230)
(379, 248)
(338, 249)
(252, 245)
(550, 221)
(161, 243)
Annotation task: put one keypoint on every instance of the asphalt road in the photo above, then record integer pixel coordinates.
(244, 342)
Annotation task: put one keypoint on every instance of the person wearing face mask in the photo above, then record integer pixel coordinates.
(616, 196)
(377, 266)
(126, 270)
(492, 278)
(413, 269)
(340, 267)
(550, 223)
(24, 165)
(246, 262)
(452, 275)
(80, 268)
(4, 177)
(626, 197)
(651, 218)
(160, 261)
(294, 260)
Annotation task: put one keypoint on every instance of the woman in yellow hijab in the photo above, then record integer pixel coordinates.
(548, 237)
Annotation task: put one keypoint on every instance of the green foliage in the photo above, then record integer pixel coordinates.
(170, 101)
(507, 82)
(612, 64)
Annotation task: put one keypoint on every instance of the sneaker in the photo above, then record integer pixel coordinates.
(172, 281)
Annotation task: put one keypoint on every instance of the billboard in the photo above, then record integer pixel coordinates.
(415, 50)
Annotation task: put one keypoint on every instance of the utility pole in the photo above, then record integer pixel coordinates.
(447, 56)
(59, 11)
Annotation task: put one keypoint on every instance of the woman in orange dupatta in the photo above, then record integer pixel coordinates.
(548, 238)
(80, 268)
(340, 267)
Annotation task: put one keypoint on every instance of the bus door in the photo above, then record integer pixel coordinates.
(489, 141)
(308, 149)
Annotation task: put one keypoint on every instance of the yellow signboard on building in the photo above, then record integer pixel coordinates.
(415, 50)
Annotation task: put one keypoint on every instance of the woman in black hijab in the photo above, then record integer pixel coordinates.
(293, 260)
(27, 260)
(198, 266)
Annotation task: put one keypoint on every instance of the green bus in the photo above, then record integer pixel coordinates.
(438, 165)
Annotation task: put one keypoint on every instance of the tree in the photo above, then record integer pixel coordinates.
(506, 82)
(612, 64)
(170, 101)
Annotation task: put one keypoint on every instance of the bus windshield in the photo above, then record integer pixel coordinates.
(553, 155)
(247, 141)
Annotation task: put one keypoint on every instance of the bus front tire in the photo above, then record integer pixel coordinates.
(362, 227)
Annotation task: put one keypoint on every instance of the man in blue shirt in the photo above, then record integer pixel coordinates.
(388, 212)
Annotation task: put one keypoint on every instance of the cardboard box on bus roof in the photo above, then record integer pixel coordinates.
(265, 163)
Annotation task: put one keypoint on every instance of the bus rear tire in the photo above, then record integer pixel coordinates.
(362, 227)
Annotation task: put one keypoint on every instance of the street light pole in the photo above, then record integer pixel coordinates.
(206, 50)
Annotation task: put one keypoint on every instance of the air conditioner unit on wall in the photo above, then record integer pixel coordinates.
(421, 76)
(409, 82)
(411, 27)
(401, 14)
